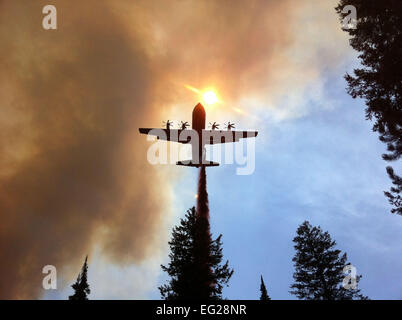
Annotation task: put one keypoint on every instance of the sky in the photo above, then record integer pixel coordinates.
(74, 177)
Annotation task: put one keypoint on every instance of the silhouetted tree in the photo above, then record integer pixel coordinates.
(183, 269)
(263, 289)
(319, 268)
(378, 39)
(394, 196)
(81, 286)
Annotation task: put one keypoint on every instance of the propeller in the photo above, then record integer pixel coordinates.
(230, 125)
(184, 125)
(214, 125)
(168, 124)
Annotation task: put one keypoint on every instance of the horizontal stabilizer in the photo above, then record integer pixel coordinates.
(189, 163)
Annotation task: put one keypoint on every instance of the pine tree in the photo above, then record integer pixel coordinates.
(184, 271)
(263, 289)
(81, 286)
(395, 194)
(378, 37)
(319, 267)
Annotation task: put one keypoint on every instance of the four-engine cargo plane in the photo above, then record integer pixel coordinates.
(198, 137)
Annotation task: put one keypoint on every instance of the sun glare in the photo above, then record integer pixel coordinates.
(210, 97)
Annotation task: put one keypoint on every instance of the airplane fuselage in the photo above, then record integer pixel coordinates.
(198, 124)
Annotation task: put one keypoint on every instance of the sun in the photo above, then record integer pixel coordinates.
(210, 97)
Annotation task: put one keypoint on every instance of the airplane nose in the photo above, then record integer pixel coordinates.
(199, 117)
(199, 108)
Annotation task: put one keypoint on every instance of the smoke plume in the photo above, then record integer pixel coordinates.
(202, 241)
(73, 169)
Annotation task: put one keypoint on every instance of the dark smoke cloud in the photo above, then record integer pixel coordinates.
(72, 164)
(77, 96)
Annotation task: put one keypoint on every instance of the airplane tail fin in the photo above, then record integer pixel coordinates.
(189, 163)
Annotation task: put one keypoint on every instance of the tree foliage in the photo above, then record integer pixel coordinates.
(378, 39)
(263, 290)
(394, 196)
(319, 267)
(186, 275)
(81, 286)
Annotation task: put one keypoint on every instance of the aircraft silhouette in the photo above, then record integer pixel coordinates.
(198, 137)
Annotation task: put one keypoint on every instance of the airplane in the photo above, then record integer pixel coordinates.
(192, 136)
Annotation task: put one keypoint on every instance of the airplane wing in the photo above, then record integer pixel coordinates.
(168, 135)
(226, 136)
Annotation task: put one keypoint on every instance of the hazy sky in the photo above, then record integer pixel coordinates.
(74, 179)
